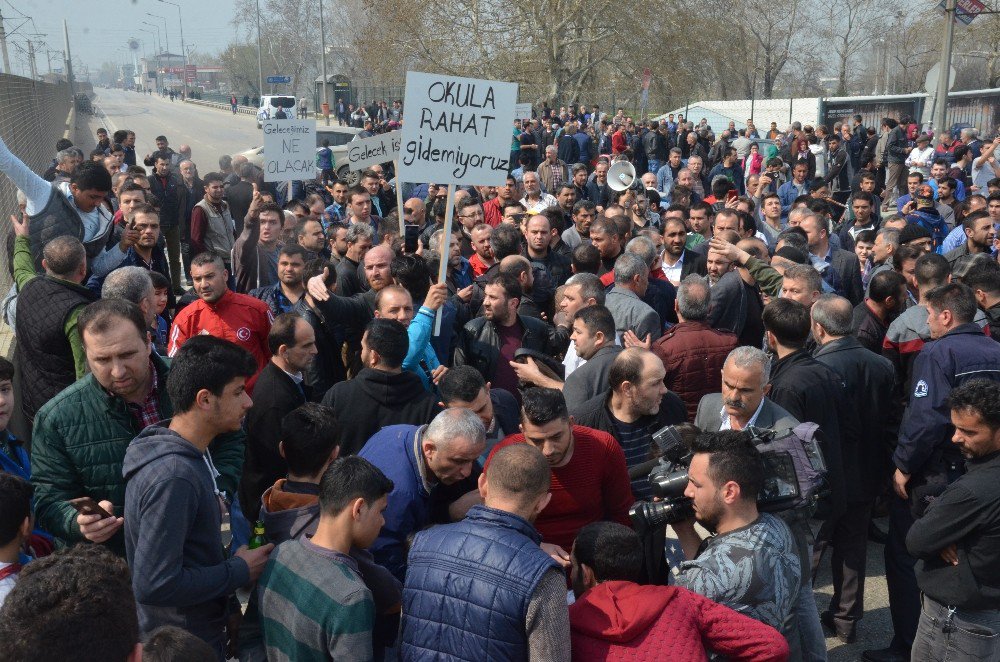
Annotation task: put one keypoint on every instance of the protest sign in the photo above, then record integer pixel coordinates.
(456, 130)
(374, 150)
(289, 150)
(522, 111)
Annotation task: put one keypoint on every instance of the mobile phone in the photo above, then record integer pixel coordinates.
(410, 238)
(732, 195)
(87, 506)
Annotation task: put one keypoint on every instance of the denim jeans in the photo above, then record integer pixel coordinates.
(965, 635)
(654, 166)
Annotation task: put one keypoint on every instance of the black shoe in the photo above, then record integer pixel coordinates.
(845, 633)
(877, 535)
(885, 655)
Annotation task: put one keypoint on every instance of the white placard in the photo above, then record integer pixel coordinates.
(456, 130)
(373, 150)
(289, 150)
(522, 111)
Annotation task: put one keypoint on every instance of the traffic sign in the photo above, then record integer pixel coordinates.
(966, 10)
(279, 79)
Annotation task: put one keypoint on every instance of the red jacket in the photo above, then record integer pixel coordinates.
(693, 354)
(619, 143)
(238, 318)
(619, 620)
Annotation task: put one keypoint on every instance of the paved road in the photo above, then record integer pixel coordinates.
(210, 132)
(875, 629)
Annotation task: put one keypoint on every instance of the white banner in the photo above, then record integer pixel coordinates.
(289, 150)
(522, 111)
(456, 130)
(373, 150)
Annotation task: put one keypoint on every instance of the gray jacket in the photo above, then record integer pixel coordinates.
(709, 416)
(631, 313)
(591, 378)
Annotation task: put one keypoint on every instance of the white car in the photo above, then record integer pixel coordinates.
(269, 105)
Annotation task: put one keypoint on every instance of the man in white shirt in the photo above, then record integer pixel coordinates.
(535, 200)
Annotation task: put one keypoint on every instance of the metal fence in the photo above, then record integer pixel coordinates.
(33, 116)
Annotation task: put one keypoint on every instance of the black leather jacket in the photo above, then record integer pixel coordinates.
(479, 343)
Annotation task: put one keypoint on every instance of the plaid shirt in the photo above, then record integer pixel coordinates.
(148, 413)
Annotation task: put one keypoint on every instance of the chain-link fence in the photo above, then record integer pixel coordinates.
(33, 116)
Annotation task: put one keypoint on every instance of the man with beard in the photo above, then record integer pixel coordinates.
(222, 313)
(138, 247)
(283, 295)
(678, 262)
(589, 478)
(954, 541)
(979, 236)
(725, 477)
(538, 235)
(606, 237)
(635, 406)
(885, 301)
(482, 258)
(212, 227)
(584, 212)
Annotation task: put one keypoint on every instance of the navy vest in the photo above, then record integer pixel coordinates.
(468, 586)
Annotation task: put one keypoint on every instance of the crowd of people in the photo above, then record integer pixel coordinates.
(245, 421)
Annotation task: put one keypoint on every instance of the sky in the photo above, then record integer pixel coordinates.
(98, 28)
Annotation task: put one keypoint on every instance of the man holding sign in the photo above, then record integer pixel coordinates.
(455, 131)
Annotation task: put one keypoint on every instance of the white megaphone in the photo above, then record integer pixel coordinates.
(621, 175)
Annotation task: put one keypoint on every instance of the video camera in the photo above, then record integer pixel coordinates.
(780, 490)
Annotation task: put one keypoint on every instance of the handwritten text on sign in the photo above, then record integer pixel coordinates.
(371, 151)
(289, 150)
(456, 130)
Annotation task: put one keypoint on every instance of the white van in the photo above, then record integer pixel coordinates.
(269, 105)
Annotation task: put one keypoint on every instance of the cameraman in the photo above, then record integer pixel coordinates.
(725, 475)
(956, 540)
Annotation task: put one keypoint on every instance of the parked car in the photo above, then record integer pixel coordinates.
(269, 105)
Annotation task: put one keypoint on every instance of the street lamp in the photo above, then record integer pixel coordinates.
(157, 28)
(180, 22)
(322, 37)
(166, 35)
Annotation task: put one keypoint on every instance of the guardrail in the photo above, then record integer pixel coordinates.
(241, 109)
(245, 110)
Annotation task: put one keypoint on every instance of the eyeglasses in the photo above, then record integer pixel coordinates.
(409, 210)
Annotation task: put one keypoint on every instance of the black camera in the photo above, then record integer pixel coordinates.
(780, 489)
(668, 480)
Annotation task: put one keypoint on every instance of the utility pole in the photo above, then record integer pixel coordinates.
(322, 40)
(31, 60)
(260, 68)
(180, 22)
(944, 76)
(69, 62)
(3, 46)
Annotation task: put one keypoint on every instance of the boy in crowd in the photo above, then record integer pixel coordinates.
(338, 619)
(15, 527)
(290, 510)
(161, 333)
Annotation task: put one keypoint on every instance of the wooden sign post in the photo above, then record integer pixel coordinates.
(456, 131)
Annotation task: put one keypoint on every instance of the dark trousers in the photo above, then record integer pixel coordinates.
(173, 237)
(847, 539)
(904, 595)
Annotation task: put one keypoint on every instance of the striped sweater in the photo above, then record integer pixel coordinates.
(314, 605)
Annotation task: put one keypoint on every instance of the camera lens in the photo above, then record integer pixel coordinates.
(669, 486)
(647, 515)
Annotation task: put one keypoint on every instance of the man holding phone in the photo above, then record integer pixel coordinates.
(80, 436)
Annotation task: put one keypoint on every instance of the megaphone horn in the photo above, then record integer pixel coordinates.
(621, 175)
